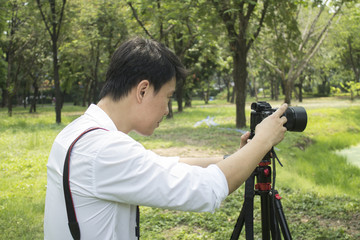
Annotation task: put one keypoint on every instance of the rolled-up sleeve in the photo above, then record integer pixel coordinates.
(124, 171)
(220, 185)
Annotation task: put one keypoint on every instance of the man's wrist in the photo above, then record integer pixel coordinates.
(262, 143)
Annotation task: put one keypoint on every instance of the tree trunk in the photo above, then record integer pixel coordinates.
(272, 87)
(12, 83)
(240, 77)
(179, 93)
(353, 61)
(276, 88)
(300, 86)
(8, 85)
(255, 92)
(94, 94)
(300, 93)
(288, 91)
(207, 92)
(58, 100)
(171, 114)
(188, 97)
(91, 85)
(34, 100)
(232, 100)
(228, 92)
(24, 98)
(3, 97)
(86, 90)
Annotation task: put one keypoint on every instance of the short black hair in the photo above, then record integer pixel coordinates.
(140, 59)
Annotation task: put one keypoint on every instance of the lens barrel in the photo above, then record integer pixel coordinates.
(296, 119)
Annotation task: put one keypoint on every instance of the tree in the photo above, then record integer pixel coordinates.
(171, 25)
(243, 21)
(205, 69)
(110, 30)
(225, 73)
(346, 43)
(53, 18)
(13, 46)
(299, 34)
(2, 60)
(34, 62)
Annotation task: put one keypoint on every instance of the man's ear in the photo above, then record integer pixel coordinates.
(142, 89)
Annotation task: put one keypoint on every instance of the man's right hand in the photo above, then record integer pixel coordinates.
(272, 129)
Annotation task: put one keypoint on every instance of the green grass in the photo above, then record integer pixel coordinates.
(25, 141)
(319, 188)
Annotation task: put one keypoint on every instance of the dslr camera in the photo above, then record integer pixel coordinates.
(296, 116)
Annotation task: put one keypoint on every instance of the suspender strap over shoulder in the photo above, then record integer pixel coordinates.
(70, 209)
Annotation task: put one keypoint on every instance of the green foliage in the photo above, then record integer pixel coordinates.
(339, 59)
(91, 30)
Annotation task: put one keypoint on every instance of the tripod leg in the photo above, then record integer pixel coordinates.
(274, 226)
(249, 207)
(239, 224)
(281, 217)
(246, 214)
(265, 215)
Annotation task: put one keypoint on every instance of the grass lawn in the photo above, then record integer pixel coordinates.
(320, 190)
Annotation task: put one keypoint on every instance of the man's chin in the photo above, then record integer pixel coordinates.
(144, 133)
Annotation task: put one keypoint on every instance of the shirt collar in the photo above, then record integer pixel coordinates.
(100, 117)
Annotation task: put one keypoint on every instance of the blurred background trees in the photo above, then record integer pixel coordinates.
(58, 51)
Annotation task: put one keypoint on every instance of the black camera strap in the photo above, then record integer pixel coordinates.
(70, 209)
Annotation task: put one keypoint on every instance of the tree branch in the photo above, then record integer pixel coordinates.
(272, 65)
(138, 20)
(53, 21)
(250, 10)
(261, 21)
(312, 27)
(61, 17)
(225, 14)
(43, 17)
(322, 35)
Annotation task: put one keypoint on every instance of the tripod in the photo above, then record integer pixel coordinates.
(272, 214)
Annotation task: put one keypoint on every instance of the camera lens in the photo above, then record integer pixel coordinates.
(296, 119)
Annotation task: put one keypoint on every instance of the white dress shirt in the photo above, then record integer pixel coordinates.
(111, 173)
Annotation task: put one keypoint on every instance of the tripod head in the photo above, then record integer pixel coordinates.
(263, 176)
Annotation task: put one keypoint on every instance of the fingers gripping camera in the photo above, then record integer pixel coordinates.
(296, 116)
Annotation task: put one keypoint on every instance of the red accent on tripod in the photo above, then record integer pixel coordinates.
(266, 172)
(264, 163)
(263, 186)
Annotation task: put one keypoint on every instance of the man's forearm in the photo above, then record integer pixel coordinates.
(239, 166)
(202, 162)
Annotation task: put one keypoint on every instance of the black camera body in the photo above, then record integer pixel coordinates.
(296, 116)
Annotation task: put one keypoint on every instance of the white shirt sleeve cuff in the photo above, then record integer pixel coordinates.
(220, 185)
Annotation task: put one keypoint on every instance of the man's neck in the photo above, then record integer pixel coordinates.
(120, 112)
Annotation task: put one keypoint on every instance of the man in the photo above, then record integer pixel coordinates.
(110, 173)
